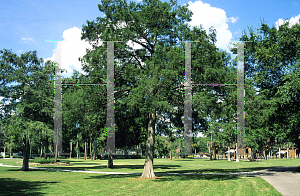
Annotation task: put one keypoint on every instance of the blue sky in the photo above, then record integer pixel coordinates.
(26, 24)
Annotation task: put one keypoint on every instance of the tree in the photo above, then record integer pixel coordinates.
(272, 61)
(34, 110)
(151, 77)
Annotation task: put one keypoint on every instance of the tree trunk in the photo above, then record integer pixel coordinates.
(170, 150)
(288, 151)
(56, 143)
(214, 151)
(94, 157)
(41, 152)
(90, 148)
(110, 163)
(148, 166)
(26, 149)
(279, 153)
(4, 152)
(85, 150)
(71, 149)
(228, 154)
(209, 150)
(237, 154)
(264, 151)
(77, 146)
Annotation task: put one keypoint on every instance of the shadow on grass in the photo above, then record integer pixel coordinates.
(12, 186)
(116, 167)
(168, 178)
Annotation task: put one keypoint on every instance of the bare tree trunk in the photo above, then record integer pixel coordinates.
(209, 150)
(94, 157)
(288, 151)
(26, 149)
(71, 149)
(279, 152)
(237, 154)
(214, 152)
(41, 152)
(228, 155)
(170, 150)
(85, 150)
(77, 147)
(148, 166)
(90, 148)
(4, 152)
(264, 151)
(110, 163)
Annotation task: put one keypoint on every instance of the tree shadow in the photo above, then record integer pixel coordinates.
(168, 177)
(116, 167)
(12, 186)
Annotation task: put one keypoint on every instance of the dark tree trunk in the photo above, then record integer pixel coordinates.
(71, 149)
(95, 149)
(170, 150)
(26, 149)
(77, 147)
(110, 163)
(148, 166)
(85, 150)
(90, 148)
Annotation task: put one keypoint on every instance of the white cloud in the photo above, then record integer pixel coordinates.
(20, 51)
(72, 47)
(292, 21)
(207, 16)
(26, 40)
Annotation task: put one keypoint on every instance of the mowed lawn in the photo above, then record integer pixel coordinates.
(49, 182)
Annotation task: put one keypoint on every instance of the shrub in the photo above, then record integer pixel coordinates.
(16, 156)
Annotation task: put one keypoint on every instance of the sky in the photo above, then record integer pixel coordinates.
(26, 24)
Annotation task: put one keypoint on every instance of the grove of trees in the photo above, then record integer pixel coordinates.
(149, 90)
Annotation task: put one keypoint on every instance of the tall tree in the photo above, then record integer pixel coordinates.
(151, 77)
(33, 111)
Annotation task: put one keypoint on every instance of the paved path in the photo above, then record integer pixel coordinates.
(283, 179)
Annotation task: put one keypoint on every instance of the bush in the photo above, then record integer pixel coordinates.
(16, 156)
(42, 161)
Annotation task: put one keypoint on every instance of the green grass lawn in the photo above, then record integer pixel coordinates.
(44, 182)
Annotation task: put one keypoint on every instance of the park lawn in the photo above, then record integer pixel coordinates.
(49, 182)
(168, 166)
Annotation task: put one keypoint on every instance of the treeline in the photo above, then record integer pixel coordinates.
(149, 88)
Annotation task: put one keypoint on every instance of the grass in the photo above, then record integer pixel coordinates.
(44, 182)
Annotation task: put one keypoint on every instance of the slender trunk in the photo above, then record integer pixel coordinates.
(4, 152)
(228, 154)
(288, 151)
(148, 166)
(41, 152)
(85, 150)
(56, 143)
(26, 149)
(77, 147)
(209, 150)
(94, 157)
(170, 150)
(10, 152)
(237, 154)
(179, 148)
(279, 153)
(71, 149)
(214, 151)
(264, 151)
(90, 148)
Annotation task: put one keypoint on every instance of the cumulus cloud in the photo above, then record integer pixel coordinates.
(206, 15)
(26, 39)
(72, 47)
(292, 21)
